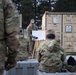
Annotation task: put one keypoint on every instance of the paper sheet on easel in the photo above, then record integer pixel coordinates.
(40, 34)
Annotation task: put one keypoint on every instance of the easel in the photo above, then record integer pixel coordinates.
(37, 43)
(34, 51)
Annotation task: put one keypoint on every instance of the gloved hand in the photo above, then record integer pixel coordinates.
(11, 62)
(36, 37)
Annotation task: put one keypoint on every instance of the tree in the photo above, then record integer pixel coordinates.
(36, 8)
(65, 6)
(40, 10)
(33, 9)
(27, 12)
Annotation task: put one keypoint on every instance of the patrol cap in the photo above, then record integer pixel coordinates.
(50, 31)
(32, 21)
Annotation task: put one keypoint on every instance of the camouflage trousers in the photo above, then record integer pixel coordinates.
(31, 47)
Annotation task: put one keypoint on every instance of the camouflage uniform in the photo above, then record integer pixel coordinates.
(50, 56)
(23, 52)
(31, 42)
(8, 30)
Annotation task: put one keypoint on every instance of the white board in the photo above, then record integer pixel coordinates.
(40, 34)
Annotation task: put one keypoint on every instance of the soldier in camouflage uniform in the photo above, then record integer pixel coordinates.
(50, 54)
(30, 28)
(23, 53)
(8, 30)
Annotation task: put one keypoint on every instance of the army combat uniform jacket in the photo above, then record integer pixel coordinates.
(8, 29)
(30, 29)
(50, 56)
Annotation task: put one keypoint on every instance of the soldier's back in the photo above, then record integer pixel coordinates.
(50, 57)
(23, 51)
